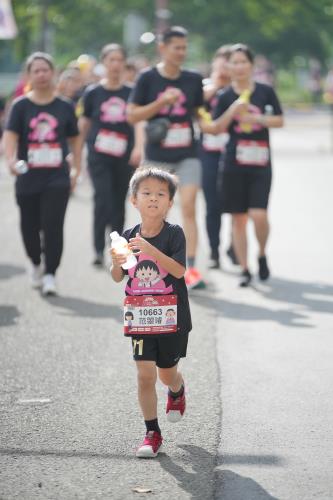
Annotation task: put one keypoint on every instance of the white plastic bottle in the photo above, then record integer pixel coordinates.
(21, 167)
(120, 245)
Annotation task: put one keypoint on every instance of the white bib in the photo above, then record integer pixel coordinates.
(46, 155)
(214, 142)
(179, 135)
(252, 153)
(150, 314)
(111, 143)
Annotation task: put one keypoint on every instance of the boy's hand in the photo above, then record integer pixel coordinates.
(140, 245)
(117, 258)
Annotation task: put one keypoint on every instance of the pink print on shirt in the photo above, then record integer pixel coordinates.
(177, 109)
(43, 128)
(147, 278)
(113, 110)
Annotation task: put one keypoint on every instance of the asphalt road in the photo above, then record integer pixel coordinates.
(258, 372)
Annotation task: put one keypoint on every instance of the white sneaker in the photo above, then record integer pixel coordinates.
(36, 275)
(49, 285)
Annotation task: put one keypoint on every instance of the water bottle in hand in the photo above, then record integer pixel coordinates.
(120, 245)
(21, 167)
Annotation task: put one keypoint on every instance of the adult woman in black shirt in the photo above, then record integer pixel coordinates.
(40, 130)
(110, 141)
(246, 110)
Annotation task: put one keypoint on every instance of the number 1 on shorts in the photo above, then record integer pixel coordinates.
(138, 343)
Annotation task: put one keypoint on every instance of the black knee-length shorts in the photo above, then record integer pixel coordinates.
(244, 188)
(165, 349)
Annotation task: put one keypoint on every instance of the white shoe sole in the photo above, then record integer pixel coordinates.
(147, 452)
(174, 416)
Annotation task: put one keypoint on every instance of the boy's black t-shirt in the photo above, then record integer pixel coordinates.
(170, 241)
(110, 135)
(43, 130)
(180, 142)
(262, 97)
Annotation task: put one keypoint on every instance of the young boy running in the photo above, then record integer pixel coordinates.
(156, 285)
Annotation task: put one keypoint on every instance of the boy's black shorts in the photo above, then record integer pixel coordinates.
(166, 349)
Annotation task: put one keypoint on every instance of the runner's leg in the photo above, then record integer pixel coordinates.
(239, 224)
(29, 206)
(188, 194)
(53, 209)
(147, 375)
(261, 225)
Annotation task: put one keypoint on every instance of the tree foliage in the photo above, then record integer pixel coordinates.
(281, 29)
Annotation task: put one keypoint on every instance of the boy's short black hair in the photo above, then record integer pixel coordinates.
(146, 172)
(174, 31)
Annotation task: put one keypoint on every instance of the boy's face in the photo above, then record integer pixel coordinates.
(152, 199)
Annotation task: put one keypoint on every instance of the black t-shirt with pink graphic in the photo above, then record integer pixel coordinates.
(179, 143)
(42, 131)
(248, 146)
(110, 134)
(149, 278)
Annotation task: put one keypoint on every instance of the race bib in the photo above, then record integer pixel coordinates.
(150, 315)
(179, 135)
(46, 155)
(214, 143)
(252, 153)
(111, 143)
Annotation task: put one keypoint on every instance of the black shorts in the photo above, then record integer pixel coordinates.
(244, 188)
(166, 350)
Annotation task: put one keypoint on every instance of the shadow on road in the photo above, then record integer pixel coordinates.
(204, 482)
(8, 315)
(19, 452)
(7, 271)
(85, 308)
(311, 297)
(232, 486)
(224, 484)
(315, 297)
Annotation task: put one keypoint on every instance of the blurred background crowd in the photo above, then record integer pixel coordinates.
(294, 44)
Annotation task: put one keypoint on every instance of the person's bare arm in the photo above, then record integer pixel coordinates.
(10, 142)
(84, 127)
(139, 142)
(136, 113)
(75, 164)
(116, 270)
(222, 123)
(268, 121)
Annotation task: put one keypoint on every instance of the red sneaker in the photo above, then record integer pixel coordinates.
(151, 446)
(175, 408)
(193, 278)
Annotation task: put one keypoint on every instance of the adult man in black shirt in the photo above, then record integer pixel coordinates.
(167, 91)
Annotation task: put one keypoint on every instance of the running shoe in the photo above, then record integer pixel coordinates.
(151, 446)
(232, 255)
(36, 276)
(246, 278)
(175, 408)
(263, 268)
(214, 261)
(49, 285)
(99, 260)
(193, 279)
